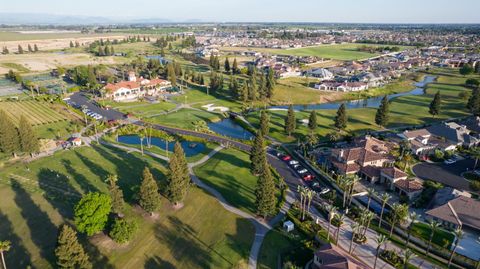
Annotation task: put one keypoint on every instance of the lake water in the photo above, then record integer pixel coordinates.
(230, 128)
(190, 148)
(373, 102)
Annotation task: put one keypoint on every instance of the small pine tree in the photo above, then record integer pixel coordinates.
(71, 44)
(382, 117)
(69, 252)
(29, 48)
(312, 120)
(28, 138)
(9, 141)
(235, 67)
(290, 122)
(35, 48)
(434, 108)
(227, 65)
(20, 49)
(265, 193)
(107, 51)
(149, 196)
(474, 102)
(179, 176)
(264, 123)
(116, 194)
(258, 155)
(341, 117)
(5, 50)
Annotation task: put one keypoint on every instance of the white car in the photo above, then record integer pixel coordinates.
(449, 161)
(303, 171)
(324, 191)
(293, 162)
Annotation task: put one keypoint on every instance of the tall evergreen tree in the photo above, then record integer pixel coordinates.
(382, 115)
(434, 108)
(262, 88)
(341, 117)
(9, 142)
(35, 48)
(116, 194)
(270, 83)
(235, 67)
(258, 155)
(312, 120)
(264, 123)
(71, 44)
(107, 51)
(20, 49)
(70, 254)
(252, 88)
(265, 193)
(149, 196)
(243, 92)
(290, 121)
(28, 138)
(171, 76)
(233, 86)
(29, 48)
(227, 65)
(179, 176)
(474, 102)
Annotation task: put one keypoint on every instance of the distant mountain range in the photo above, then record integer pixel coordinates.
(46, 19)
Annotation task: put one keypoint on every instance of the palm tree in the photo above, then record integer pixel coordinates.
(355, 227)
(142, 136)
(458, 236)
(331, 214)
(4, 247)
(433, 228)
(475, 152)
(354, 180)
(341, 219)
(407, 256)
(310, 194)
(381, 240)
(413, 219)
(407, 159)
(385, 197)
(398, 215)
(371, 192)
(301, 191)
(368, 218)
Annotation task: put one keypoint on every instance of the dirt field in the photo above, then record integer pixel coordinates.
(46, 61)
(53, 43)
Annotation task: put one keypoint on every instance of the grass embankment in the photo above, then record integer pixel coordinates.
(49, 188)
(404, 111)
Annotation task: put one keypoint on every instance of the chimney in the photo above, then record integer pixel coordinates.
(131, 76)
(340, 156)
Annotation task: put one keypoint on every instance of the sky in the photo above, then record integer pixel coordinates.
(361, 11)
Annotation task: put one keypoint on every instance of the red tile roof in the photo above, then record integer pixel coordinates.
(393, 172)
(409, 185)
(112, 87)
(333, 257)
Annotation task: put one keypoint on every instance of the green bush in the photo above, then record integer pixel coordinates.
(392, 258)
(475, 185)
(123, 230)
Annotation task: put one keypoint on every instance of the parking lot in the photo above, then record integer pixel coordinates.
(447, 174)
(80, 100)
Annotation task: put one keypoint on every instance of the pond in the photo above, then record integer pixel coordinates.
(190, 148)
(372, 102)
(230, 128)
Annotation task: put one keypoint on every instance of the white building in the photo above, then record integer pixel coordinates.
(134, 88)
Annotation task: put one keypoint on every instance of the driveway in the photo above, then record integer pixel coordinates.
(80, 99)
(447, 174)
(470, 244)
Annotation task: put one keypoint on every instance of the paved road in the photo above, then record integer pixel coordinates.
(447, 174)
(80, 99)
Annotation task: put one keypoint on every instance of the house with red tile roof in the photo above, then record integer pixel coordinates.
(135, 88)
(329, 256)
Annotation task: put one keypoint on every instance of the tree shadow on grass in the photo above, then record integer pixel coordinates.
(82, 181)
(58, 191)
(42, 231)
(156, 262)
(242, 240)
(17, 256)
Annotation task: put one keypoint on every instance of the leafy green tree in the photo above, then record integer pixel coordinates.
(149, 197)
(341, 118)
(434, 108)
(69, 252)
(474, 102)
(472, 82)
(91, 212)
(312, 120)
(467, 69)
(265, 193)
(123, 230)
(382, 115)
(28, 138)
(264, 123)
(178, 177)
(258, 155)
(290, 121)
(9, 141)
(116, 195)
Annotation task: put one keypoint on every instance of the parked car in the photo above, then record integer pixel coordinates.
(302, 171)
(286, 158)
(449, 161)
(316, 187)
(296, 166)
(307, 177)
(293, 162)
(324, 191)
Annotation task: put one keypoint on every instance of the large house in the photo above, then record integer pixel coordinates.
(461, 212)
(341, 86)
(134, 88)
(329, 256)
(320, 73)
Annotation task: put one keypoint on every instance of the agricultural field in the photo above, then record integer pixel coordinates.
(36, 112)
(39, 196)
(343, 52)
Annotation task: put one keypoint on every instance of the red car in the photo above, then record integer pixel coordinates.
(286, 158)
(307, 177)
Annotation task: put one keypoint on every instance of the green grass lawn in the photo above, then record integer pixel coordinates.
(344, 52)
(49, 187)
(143, 109)
(184, 118)
(441, 237)
(228, 172)
(404, 111)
